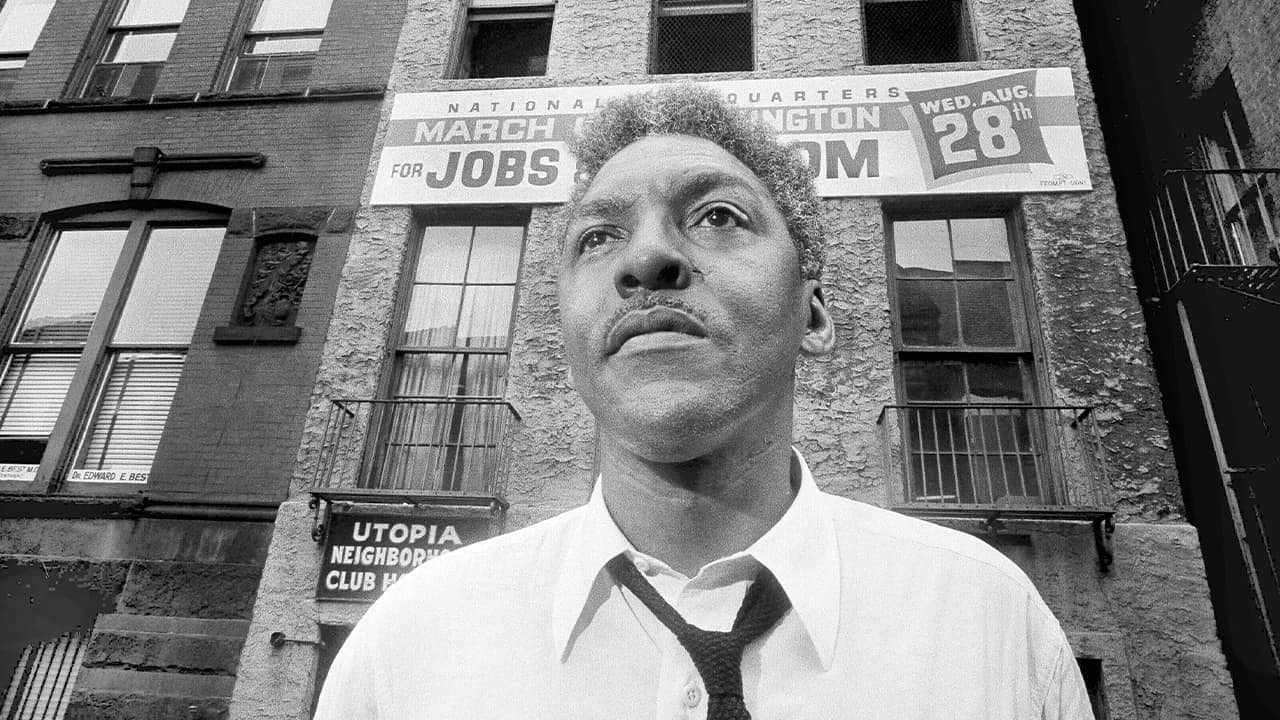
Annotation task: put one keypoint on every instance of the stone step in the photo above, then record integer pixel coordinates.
(117, 705)
(210, 627)
(158, 684)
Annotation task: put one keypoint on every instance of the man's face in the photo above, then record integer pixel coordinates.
(681, 299)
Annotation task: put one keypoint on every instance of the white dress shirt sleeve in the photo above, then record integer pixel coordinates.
(1066, 697)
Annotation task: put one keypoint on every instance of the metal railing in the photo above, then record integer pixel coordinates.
(1031, 460)
(1214, 217)
(417, 446)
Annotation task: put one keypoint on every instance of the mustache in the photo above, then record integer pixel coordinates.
(648, 300)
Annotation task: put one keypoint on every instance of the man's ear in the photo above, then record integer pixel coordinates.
(820, 334)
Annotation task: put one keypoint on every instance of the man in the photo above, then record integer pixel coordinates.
(688, 288)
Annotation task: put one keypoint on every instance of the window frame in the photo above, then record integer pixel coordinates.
(1028, 355)
(375, 449)
(72, 424)
(481, 11)
(685, 8)
(116, 29)
(967, 47)
(244, 34)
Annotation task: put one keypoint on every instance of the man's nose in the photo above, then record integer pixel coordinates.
(653, 260)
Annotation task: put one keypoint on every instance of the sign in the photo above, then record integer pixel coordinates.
(972, 131)
(20, 473)
(125, 475)
(365, 554)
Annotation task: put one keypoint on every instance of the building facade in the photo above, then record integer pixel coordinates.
(443, 410)
(180, 185)
(1190, 114)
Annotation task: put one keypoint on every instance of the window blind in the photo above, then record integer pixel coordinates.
(131, 411)
(32, 392)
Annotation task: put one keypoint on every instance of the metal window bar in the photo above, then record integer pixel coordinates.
(45, 675)
(1214, 217)
(1001, 455)
(428, 444)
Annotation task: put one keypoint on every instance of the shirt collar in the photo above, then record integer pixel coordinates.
(800, 550)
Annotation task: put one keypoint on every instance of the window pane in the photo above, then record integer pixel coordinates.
(433, 316)
(443, 257)
(152, 12)
(21, 22)
(278, 45)
(291, 15)
(486, 316)
(933, 381)
(914, 31)
(71, 290)
(507, 48)
(927, 313)
(32, 391)
(986, 313)
(495, 254)
(138, 47)
(996, 382)
(126, 425)
(169, 286)
(981, 247)
(921, 248)
(698, 43)
(439, 374)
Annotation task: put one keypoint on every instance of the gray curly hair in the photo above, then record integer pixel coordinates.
(686, 109)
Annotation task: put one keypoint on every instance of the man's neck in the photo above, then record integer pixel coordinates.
(688, 514)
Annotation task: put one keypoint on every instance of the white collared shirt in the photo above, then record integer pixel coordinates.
(891, 617)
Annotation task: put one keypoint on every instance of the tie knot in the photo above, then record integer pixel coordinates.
(717, 655)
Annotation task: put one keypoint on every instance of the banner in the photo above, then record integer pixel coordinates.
(365, 554)
(972, 131)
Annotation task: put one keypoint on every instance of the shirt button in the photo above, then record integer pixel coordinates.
(692, 695)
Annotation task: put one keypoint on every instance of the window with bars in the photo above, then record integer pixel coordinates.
(21, 22)
(280, 46)
(917, 31)
(135, 49)
(505, 38)
(92, 364)
(964, 363)
(41, 685)
(453, 346)
(1245, 203)
(696, 36)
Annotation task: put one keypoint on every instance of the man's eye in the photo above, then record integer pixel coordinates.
(593, 239)
(720, 216)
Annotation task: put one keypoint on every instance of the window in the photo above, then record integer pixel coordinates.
(1244, 203)
(916, 31)
(505, 38)
(137, 44)
(451, 357)
(93, 362)
(20, 24)
(280, 46)
(1091, 671)
(964, 363)
(695, 36)
(42, 682)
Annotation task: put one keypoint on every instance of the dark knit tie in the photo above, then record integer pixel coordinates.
(717, 655)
